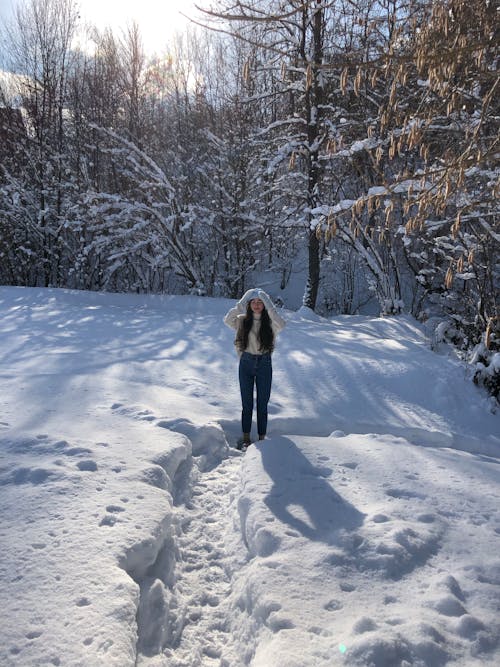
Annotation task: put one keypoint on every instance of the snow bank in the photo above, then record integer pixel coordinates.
(82, 522)
(358, 555)
(100, 556)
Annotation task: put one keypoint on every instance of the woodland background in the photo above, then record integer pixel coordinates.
(350, 145)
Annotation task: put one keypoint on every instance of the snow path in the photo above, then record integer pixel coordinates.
(184, 613)
(204, 576)
(201, 580)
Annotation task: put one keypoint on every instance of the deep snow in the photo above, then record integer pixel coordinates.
(364, 531)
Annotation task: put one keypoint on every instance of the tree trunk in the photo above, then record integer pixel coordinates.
(313, 101)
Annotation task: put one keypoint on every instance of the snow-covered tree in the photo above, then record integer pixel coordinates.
(434, 147)
(284, 72)
(38, 187)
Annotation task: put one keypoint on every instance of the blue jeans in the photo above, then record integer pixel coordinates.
(255, 370)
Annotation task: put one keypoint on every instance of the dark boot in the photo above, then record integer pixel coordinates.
(244, 441)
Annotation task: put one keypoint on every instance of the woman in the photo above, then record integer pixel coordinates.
(256, 323)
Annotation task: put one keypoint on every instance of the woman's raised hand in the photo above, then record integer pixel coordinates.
(248, 296)
(266, 300)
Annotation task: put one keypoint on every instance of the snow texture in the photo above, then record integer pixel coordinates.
(365, 530)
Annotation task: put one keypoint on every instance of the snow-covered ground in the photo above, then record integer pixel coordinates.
(364, 531)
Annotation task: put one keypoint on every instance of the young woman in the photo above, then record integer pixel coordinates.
(256, 323)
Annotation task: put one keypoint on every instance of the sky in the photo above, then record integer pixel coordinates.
(158, 19)
(364, 530)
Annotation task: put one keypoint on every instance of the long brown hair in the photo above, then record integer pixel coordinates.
(266, 333)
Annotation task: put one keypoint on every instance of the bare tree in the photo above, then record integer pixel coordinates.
(288, 41)
(40, 47)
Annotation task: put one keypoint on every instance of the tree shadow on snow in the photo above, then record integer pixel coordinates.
(302, 496)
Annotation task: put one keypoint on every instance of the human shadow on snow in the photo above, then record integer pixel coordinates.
(302, 496)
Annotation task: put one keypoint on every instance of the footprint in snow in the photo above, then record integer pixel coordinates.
(449, 606)
(364, 624)
(321, 632)
(333, 605)
(394, 621)
(276, 622)
(108, 520)
(76, 451)
(265, 542)
(468, 626)
(390, 599)
(88, 465)
(405, 494)
(134, 411)
(347, 587)
(33, 476)
(115, 508)
(209, 600)
(83, 602)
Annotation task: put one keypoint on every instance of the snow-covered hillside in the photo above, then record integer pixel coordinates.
(365, 530)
